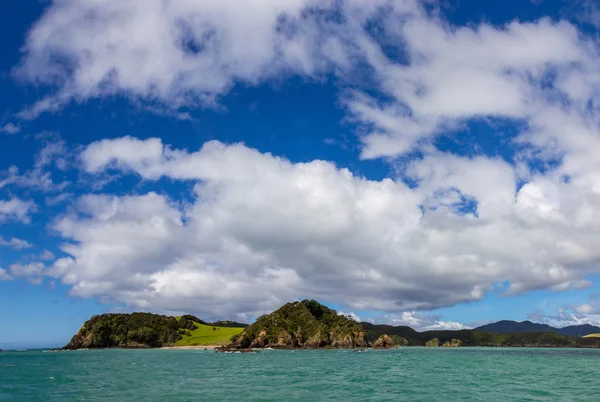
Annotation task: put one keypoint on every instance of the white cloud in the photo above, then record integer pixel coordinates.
(31, 269)
(262, 230)
(32, 272)
(5, 276)
(187, 53)
(420, 321)
(585, 313)
(15, 243)
(350, 315)
(456, 74)
(181, 52)
(16, 209)
(53, 154)
(10, 128)
(47, 256)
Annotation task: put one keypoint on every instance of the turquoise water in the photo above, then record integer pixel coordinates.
(403, 374)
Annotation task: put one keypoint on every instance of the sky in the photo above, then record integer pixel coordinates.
(430, 163)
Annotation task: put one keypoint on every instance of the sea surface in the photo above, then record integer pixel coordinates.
(412, 374)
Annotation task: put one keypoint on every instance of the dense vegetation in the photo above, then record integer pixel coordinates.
(229, 324)
(305, 324)
(478, 338)
(147, 330)
(302, 324)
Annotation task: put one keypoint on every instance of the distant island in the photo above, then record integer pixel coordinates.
(309, 324)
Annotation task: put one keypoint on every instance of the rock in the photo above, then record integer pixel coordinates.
(399, 341)
(384, 341)
(319, 340)
(258, 343)
(455, 343)
(433, 343)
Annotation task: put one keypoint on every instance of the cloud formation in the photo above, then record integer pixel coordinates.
(17, 244)
(584, 313)
(261, 230)
(16, 209)
(180, 53)
(184, 54)
(10, 128)
(420, 321)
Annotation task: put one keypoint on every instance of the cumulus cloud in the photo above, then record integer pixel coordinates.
(16, 209)
(47, 255)
(421, 322)
(53, 155)
(455, 74)
(28, 270)
(32, 272)
(187, 53)
(180, 53)
(17, 244)
(262, 230)
(5, 276)
(584, 313)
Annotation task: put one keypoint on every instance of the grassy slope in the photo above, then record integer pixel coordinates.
(205, 335)
(592, 336)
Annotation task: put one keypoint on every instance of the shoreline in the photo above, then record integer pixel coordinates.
(195, 347)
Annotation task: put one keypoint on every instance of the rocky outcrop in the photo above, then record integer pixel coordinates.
(384, 341)
(454, 343)
(433, 343)
(305, 324)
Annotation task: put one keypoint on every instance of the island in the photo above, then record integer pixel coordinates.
(146, 330)
(305, 324)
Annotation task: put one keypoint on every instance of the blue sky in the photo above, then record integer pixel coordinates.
(430, 164)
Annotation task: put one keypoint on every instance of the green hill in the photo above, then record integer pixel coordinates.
(208, 335)
(139, 330)
(302, 324)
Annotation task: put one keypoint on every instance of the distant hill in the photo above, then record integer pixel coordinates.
(301, 324)
(579, 330)
(505, 326)
(229, 324)
(478, 337)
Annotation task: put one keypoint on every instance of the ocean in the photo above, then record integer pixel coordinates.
(412, 374)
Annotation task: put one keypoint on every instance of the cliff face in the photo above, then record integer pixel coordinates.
(305, 324)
